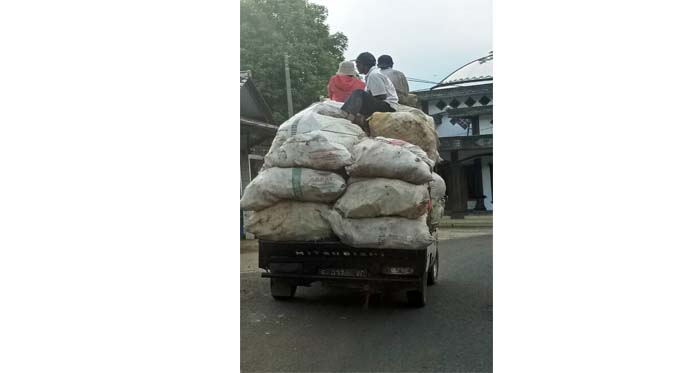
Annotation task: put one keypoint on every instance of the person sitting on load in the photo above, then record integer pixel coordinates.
(386, 66)
(344, 82)
(379, 94)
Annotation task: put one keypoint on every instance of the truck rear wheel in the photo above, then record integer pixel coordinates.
(434, 270)
(282, 289)
(416, 298)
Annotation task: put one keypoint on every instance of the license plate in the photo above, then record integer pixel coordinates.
(345, 272)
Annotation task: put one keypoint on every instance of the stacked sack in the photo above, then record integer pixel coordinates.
(387, 199)
(407, 124)
(391, 195)
(414, 126)
(437, 195)
(301, 176)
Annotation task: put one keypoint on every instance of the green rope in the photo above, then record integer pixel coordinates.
(297, 183)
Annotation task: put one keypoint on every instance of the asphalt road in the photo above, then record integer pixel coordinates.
(327, 330)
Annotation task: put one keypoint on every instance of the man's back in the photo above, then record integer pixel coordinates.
(398, 79)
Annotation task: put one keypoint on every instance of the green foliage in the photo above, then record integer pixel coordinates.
(271, 28)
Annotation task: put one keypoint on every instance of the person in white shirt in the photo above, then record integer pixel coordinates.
(379, 94)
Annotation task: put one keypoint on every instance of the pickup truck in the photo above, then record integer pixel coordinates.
(291, 264)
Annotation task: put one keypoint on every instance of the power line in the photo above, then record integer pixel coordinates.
(417, 80)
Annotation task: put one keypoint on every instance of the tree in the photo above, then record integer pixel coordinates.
(271, 28)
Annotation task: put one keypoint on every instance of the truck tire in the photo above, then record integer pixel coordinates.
(434, 270)
(416, 298)
(282, 289)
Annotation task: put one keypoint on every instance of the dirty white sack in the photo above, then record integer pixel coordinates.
(438, 189)
(290, 221)
(436, 213)
(415, 149)
(389, 158)
(299, 184)
(329, 108)
(371, 198)
(407, 124)
(311, 150)
(385, 232)
(336, 130)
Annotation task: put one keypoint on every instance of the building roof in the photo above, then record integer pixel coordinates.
(478, 70)
(253, 106)
(256, 118)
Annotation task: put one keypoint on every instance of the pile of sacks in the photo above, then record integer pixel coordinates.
(323, 176)
(302, 175)
(387, 199)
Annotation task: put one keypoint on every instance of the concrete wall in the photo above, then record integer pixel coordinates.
(487, 181)
(486, 124)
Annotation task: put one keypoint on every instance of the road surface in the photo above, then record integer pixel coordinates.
(327, 330)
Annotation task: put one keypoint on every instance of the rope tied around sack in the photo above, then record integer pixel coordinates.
(297, 183)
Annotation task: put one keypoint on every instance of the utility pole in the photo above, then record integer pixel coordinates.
(287, 86)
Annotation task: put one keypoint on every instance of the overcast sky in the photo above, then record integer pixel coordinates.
(428, 39)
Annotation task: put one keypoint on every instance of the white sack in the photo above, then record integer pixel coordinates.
(290, 221)
(336, 130)
(329, 108)
(371, 198)
(438, 189)
(311, 150)
(415, 149)
(389, 158)
(380, 233)
(436, 213)
(300, 184)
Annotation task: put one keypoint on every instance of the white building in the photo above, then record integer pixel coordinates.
(462, 105)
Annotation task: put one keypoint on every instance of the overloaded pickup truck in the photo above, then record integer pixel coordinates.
(291, 264)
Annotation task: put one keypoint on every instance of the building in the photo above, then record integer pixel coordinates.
(462, 106)
(257, 130)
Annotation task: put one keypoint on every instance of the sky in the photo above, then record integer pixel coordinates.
(428, 39)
